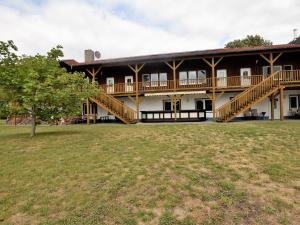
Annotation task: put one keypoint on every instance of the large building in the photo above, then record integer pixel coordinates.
(220, 84)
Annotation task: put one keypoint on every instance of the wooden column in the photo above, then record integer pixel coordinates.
(281, 104)
(272, 106)
(174, 68)
(136, 69)
(88, 112)
(271, 60)
(93, 73)
(213, 65)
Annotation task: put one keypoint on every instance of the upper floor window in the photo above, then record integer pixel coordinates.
(192, 77)
(155, 79)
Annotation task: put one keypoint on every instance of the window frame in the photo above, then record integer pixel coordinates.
(297, 101)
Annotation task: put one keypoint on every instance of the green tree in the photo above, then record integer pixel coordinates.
(38, 86)
(296, 41)
(249, 41)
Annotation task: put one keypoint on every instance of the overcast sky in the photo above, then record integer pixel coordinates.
(120, 28)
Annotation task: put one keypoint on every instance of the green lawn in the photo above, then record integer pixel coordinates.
(235, 173)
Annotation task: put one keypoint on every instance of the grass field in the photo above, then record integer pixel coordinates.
(236, 173)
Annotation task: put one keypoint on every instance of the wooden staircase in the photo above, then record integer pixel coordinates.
(115, 107)
(249, 97)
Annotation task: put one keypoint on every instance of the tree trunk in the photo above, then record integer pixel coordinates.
(33, 123)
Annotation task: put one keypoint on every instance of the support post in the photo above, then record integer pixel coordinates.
(88, 112)
(281, 104)
(174, 101)
(271, 60)
(174, 68)
(136, 69)
(272, 106)
(213, 65)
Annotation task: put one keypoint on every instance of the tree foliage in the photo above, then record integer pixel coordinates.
(296, 41)
(38, 86)
(249, 41)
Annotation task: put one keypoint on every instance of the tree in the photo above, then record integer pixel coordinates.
(295, 41)
(249, 41)
(38, 86)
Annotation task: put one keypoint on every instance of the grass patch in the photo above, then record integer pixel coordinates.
(235, 173)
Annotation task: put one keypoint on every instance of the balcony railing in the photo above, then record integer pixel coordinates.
(232, 82)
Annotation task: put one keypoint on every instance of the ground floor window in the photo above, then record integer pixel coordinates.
(168, 105)
(203, 104)
(294, 101)
(93, 108)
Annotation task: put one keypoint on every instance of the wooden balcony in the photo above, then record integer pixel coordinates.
(232, 83)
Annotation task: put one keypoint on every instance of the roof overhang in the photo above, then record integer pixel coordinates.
(176, 93)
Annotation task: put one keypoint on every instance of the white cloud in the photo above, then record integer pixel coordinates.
(132, 27)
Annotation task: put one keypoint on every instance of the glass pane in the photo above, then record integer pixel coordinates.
(201, 76)
(178, 105)
(154, 79)
(183, 78)
(167, 106)
(192, 77)
(293, 102)
(199, 105)
(146, 80)
(208, 105)
(163, 78)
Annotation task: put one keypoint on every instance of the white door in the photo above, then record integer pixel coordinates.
(110, 82)
(221, 78)
(245, 76)
(128, 83)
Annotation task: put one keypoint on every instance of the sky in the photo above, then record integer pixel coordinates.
(121, 28)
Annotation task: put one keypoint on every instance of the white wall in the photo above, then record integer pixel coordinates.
(188, 103)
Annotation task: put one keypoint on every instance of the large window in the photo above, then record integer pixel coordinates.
(204, 104)
(201, 76)
(168, 105)
(154, 79)
(163, 79)
(294, 102)
(192, 77)
(267, 70)
(183, 77)
(146, 80)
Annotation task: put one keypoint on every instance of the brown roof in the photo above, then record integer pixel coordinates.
(186, 55)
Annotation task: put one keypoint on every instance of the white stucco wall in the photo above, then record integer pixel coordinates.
(188, 103)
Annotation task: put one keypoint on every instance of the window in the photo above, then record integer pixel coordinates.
(192, 79)
(163, 79)
(294, 102)
(267, 70)
(208, 105)
(146, 80)
(288, 67)
(168, 106)
(154, 79)
(183, 76)
(201, 76)
(204, 104)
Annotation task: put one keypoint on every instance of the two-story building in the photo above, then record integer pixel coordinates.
(220, 84)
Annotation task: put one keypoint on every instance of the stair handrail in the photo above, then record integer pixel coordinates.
(227, 107)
